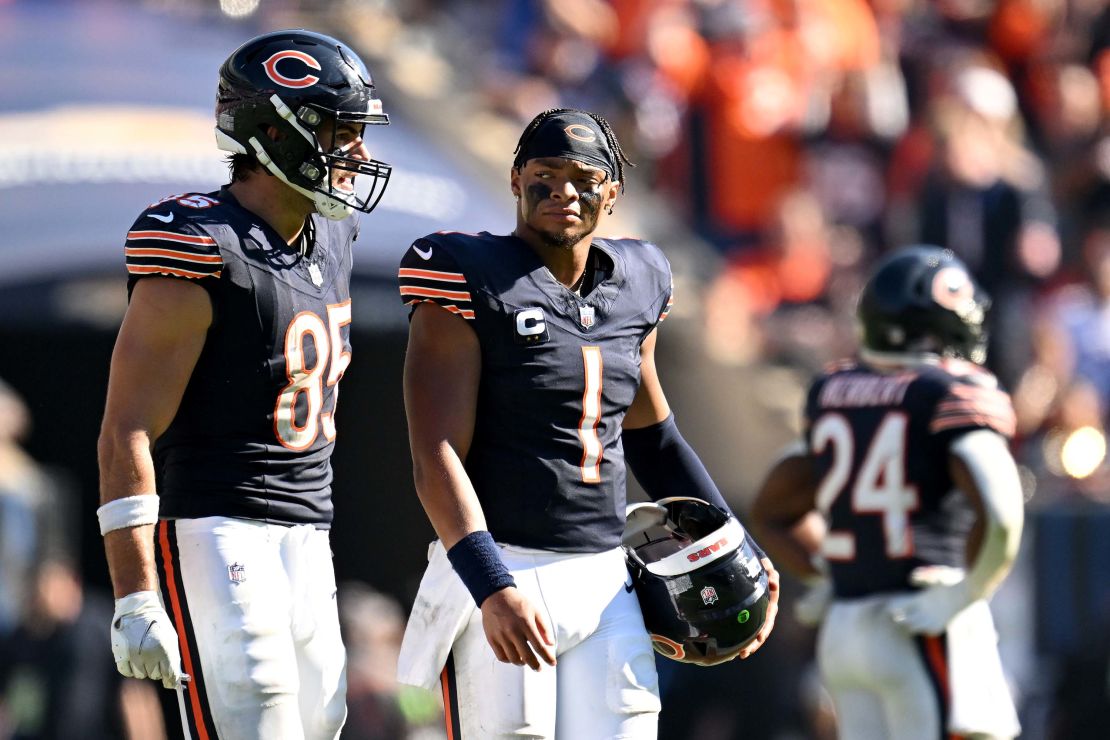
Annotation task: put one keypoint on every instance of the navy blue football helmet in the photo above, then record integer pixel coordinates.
(295, 80)
(702, 588)
(922, 299)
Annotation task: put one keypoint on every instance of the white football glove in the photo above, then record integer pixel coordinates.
(144, 643)
(928, 611)
(810, 607)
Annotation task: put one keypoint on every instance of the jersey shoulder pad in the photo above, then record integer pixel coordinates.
(429, 272)
(971, 400)
(168, 238)
(640, 254)
(648, 269)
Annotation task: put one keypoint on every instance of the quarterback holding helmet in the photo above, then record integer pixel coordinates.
(223, 389)
(531, 391)
(905, 491)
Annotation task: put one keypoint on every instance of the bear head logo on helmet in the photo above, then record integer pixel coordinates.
(702, 589)
(294, 81)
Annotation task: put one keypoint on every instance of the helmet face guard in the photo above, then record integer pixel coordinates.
(702, 589)
(295, 81)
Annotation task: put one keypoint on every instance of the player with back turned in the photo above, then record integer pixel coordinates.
(222, 401)
(905, 491)
(530, 383)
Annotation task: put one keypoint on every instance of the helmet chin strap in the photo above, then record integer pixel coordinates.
(327, 206)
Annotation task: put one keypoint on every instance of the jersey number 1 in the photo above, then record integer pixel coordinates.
(309, 381)
(880, 483)
(591, 415)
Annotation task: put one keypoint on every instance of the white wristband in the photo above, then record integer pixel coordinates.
(130, 511)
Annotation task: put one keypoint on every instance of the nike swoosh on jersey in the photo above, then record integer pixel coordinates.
(164, 219)
(630, 586)
(423, 254)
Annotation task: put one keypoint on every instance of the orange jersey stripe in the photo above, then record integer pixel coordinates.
(444, 682)
(464, 312)
(170, 236)
(179, 620)
(995, 409)
(934, 651)
(156, 270)
(435, 293)
(173, 254)
(975, 391)
(1005, 426)
(449, 277)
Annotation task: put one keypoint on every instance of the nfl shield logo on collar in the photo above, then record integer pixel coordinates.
(586, 316)
(315, 274)
(237, 573)
(709, 595)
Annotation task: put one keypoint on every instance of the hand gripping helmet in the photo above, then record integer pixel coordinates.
(702, 589)
(922, 298)
(294, 81)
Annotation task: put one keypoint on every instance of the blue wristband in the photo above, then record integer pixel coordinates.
(476, 560)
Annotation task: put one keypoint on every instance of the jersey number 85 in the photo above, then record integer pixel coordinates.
(310, 381)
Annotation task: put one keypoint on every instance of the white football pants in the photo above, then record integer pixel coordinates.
(890, 685)
(255, 611)
(604, 685)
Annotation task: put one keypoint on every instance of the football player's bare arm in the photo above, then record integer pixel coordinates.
(783, 516)
(442, 372)
(443, 365)
(157, 348)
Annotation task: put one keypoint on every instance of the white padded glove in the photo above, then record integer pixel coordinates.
(928, 611)
(144, 643)
(810, 607)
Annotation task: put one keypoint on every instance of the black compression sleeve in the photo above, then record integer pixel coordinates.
(665, 465)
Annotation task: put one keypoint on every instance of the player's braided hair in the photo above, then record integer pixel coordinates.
(610, 138)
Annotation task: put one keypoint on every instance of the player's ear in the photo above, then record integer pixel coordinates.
(274, 133)
(514, 181)
(612, 192)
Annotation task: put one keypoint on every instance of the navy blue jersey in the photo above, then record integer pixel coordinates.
(881, 440)
(559, 371)
(253, 434)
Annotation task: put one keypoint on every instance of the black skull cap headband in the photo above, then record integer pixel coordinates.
(572, 135)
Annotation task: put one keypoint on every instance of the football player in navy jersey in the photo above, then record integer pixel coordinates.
(905, 494)
(530, 382)
(220, 420)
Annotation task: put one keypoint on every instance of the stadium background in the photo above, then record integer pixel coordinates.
(781, 146)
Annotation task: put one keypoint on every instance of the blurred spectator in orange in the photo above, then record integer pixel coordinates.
(774, 301)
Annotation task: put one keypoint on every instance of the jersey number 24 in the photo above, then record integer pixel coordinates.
(878, 487)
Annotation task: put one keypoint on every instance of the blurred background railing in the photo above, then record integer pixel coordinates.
(781, 146)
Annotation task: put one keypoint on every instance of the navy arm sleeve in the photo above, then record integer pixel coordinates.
(665, 465)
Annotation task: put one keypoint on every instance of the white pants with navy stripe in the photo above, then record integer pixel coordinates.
(889, 685)
(255, 611)
(604, 685)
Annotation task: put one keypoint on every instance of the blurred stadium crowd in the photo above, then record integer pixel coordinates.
(789, 142)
